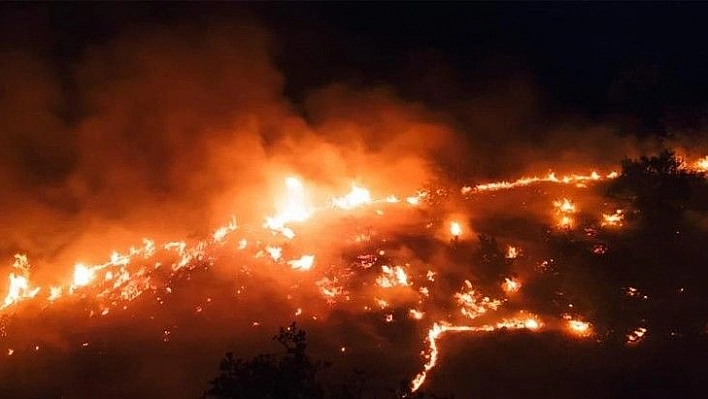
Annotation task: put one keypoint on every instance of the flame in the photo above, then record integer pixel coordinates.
(473, 304)
(636, 336)
(126, 275)
(614, 219)
(579, 327)
(357, 197)
(701, 165)
(511, 285)
(221, 233)
(565, 208)
(19, 284)
(295, 208)
(305, 262)
(416, 314)
(432, 353)
(455, 229)
(574, 179)
(276, 253)
(392, 277)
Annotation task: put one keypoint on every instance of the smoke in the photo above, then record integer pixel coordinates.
(165, 131)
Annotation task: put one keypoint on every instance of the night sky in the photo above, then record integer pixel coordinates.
(640, 59)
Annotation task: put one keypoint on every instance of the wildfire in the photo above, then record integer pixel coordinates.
(455, 229)
(636, 336)
(304, 263)
(125, 276)
(701, 165)
(472, 304)
(564, 206)
(614, 219)
(432, 353)
(511, 285)
(221, 233)
(19, 284)
(392, 277)
(82, 275)
(574, 179)
(357, 197)
(416, 314)
(579, 327)
(294, 208)
(564, 209)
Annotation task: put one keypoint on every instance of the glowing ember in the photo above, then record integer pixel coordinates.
(636, 336)
(614, 219)
(701, 165)
(511, 252)
(472, 304)
(578, 327)
(416, 314)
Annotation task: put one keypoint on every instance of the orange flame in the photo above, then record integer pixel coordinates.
(511, 285)
(357, 197)
(455, 229)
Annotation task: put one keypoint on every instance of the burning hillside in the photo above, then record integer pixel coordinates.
(396, 257)
(178, 189)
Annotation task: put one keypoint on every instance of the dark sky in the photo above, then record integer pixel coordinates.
(637, 58)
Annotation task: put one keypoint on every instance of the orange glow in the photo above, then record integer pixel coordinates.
(455, 229)
(564, 206)
(20, 288)
(511, 252)
(416, 314)
(125, 275)
(294, 208)
(614, 219)
(473, 304)
(511, 285)
(392, 277)
(579, 327)
(304, 263)
(636, 336)
(357, 197)
(83, 275)
(701, 165)
(572, 179)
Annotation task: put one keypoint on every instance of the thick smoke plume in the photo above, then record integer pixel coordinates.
(174, 128)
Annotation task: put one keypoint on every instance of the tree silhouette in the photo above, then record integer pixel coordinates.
(290, 375)
(659, 187)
